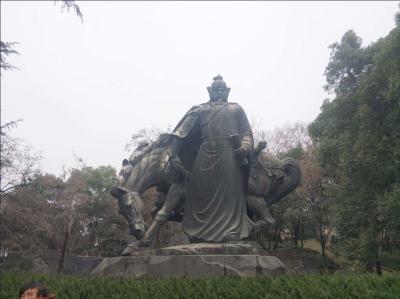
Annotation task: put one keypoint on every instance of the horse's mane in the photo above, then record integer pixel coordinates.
(162, 141)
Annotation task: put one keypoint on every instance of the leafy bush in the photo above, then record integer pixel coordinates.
(300, 286)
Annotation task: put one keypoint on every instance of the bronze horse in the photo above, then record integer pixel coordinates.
(269, 180)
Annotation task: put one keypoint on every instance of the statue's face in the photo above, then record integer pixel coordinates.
(219, 94)
(218, 91)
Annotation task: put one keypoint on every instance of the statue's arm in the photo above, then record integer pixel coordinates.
(245, 131)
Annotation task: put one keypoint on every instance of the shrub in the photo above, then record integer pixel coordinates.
(300, 286)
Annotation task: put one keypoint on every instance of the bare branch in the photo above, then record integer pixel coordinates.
(68, 4)
(6, 49)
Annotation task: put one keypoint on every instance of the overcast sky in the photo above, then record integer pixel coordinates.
(84, 88)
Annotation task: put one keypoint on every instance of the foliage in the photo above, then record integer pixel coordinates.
(7, 48)
(358, 139)
(310, 286)
(285, 141)
(149, 135)
(397, 17)
(22, 227)
(73, 214)
(68, 4)
(104, 228)
(19, 163)
(290, 140)
(391, 259)
(319, 193)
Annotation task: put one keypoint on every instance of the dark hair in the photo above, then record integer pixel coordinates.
(42, 289)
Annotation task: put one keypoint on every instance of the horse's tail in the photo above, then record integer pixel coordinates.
(290, 181)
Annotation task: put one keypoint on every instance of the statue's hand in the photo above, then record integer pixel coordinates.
(241, 152)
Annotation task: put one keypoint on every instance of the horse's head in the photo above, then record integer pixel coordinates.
(144, 169)
(129, 203)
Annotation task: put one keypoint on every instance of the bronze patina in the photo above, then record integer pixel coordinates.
(215, 182)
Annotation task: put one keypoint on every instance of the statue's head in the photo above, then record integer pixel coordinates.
(218, 90)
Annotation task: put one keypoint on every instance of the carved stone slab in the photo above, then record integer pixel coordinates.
(190, 266)
(234, 248)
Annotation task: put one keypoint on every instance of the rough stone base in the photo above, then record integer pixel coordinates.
(190, 266)
(234, 248)
(47, 263)
(193, 260)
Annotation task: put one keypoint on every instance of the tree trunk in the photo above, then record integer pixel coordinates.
(277, 239)
(63, 250)
(378, 262)
(302, 235)
(322, 241)
(323, 249)
(278, 235)
(297, 231)
(269, 242)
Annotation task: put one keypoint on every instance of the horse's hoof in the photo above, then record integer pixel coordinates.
(131, 248)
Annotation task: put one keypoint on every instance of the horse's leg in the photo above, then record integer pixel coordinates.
(258, 207)
(172, 200)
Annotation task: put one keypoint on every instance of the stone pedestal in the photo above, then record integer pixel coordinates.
(193, 260)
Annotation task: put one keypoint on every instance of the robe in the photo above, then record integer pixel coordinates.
(215, 205)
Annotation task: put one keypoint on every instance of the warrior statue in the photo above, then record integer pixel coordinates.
(215, 206)
(215, 182)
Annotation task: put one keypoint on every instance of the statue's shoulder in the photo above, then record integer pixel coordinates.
(204, 105)
(199, 107)
(236, 106)
(207, 104)
(195, 109)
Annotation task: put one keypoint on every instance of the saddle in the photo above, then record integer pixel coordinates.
(264, 169)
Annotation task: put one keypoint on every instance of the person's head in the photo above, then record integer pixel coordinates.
(218, 90)
(34, 290)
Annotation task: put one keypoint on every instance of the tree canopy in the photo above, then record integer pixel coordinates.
(358, 139)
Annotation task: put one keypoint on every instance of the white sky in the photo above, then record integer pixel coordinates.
(84, 88)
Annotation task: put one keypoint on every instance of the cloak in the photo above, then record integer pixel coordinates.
(215, 204)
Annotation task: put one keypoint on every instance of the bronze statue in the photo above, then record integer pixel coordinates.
(215, 205)
(211, 174)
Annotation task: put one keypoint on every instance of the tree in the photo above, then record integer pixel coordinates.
(144, 135)
(6, 48)
(19, 163)
(85, 217)
(397, 17)
(283, 141)
(72, 4)
(290, 140)
(25, 215)
(105, 229)
(358, 140)
(72, 214)
(348, 61)
(318, 193)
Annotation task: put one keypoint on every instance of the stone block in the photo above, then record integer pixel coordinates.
(111, 267)
(190, 266)
(204, 265)
(136, 267)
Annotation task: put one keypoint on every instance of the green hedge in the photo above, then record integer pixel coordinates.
(300, 286)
